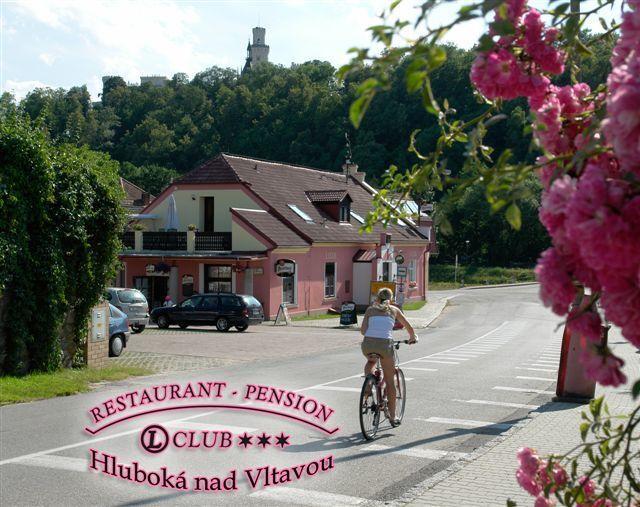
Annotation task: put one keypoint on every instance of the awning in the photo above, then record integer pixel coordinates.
(365, 255)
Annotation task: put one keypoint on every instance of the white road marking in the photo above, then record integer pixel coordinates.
(416, 453)
(451, 357)
(498, 403)
(465, 422)
(184, 425)
(297, 496)
(57, 462)
(547, 361)
(461, 352)
(540, 365)
(429, 361)
(537, 378)
(536, 369)
(336, 388)
(522, 390)
(419, 369)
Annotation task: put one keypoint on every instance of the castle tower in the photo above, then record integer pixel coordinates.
(258, 52)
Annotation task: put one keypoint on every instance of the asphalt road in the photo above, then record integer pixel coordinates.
(486, 362)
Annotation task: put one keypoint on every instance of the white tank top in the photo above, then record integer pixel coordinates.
(380, 326)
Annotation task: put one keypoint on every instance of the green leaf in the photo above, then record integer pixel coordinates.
(514, 216)
(358, 108)
(584, 429)
(595, 406)
(511, 503)
(503, 27)
(635, 390)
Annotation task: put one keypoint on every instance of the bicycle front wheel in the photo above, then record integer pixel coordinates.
(369, 410)
(401, 393)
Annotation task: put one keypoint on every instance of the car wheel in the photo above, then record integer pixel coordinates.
(163, 322)
(116, 345)
(137, 329)
(183, 326)
(222, 324)
(242, 327)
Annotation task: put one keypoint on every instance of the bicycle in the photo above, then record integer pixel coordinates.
(373, 396)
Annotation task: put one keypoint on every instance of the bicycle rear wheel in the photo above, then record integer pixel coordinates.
(401, 393)
(369, 410)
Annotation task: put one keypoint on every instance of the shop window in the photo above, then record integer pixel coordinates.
(330, 279)
(218, 279)
(289, 291)
(411, 271)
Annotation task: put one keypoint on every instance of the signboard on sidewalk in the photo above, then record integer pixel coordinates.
(282, 316)
(348, 315)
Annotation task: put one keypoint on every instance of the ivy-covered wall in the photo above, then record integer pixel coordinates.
(60, 224)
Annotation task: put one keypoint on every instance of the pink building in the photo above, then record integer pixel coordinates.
(251, 218)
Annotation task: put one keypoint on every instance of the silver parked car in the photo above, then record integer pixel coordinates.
(133, 303)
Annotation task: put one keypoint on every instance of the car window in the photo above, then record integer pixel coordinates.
(131, 296)
(251, 301)
(115, 313)
(230, 301)
(209, 303)
(190, 303)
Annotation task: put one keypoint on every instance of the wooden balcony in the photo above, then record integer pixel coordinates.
(189, 241)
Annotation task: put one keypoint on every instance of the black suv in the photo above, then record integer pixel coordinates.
(224, 310)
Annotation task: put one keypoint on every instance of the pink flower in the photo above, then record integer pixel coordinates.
(538, 43)
(496, 74)
(556, 287)
(528, 483)
(529, 460)
(541, 501)
(622, 125)
(602, 502)
(602, 366)
(629, 40)
(586, 323)
(555, 202)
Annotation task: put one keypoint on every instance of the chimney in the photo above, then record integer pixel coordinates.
(350, 168)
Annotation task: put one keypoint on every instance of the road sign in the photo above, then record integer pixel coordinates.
(402, 271)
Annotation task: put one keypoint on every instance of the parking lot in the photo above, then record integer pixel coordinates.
(203, 347)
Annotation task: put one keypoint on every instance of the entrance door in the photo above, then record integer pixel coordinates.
(154, 288)
(209, 213)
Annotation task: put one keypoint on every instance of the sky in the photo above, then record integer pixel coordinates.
(64, 43)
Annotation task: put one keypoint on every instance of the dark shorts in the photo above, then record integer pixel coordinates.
(381, 346)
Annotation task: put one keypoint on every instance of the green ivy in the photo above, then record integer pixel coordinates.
(60, 219)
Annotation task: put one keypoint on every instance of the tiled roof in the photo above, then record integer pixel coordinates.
(280, 185)
(134, 196)
(270, 226)
(326, 195)
(215, 170)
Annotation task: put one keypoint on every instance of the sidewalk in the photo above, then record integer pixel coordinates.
(487, 477)
(419, 318)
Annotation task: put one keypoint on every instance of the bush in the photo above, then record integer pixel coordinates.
(60, 222)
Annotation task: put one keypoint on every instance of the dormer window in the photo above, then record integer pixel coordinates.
(345, 211)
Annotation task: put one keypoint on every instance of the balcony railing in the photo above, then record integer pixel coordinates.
(213, 241)
(176, 241)
(164, 241)
(129, 239)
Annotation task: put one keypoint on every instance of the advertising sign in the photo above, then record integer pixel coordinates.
(285, 267)
(348, 315)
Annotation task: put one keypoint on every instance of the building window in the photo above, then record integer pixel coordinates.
(218, 279)
(345, 212)
(386, 272)
(330, 279)
(411, 270)
(289, 289)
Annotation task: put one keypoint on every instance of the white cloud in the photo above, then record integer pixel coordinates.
(128, 37)
(20, 88)
(48, 58)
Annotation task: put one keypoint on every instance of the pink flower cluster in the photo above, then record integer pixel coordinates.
(517, 64)
(590, 204)
(536, 475)
(622, 125)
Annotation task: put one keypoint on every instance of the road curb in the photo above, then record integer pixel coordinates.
(495, 286)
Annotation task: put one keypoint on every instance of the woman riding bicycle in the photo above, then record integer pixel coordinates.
(377, 328)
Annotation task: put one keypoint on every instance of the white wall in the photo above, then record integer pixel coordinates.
(191, 211)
